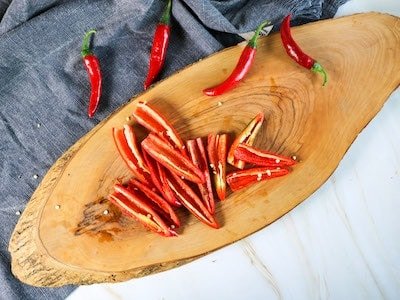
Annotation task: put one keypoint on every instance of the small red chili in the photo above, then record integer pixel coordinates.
(171, 159)
(243, 66)
(198, 155)
(160, 45)
(244, 178)
(247, 136)
(260, 157)
(93, 69)
(295, 52)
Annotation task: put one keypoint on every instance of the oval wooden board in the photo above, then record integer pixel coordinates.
(77, 243)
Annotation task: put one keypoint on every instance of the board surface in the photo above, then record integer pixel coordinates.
(64, 236)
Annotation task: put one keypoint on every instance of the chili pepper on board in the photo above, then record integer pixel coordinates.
(154, 121)
(160, 45)
(242, 67)
(157, 175)
(241, 179)
(160, 205)
(170, 158)
(93, 69)
(198, 155)
(125, 142)
(217, 148)
(259, 157)
(134, 206)
(190, 200)
(247, 136)
(295, 52)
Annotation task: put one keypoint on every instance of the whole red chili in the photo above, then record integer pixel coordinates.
(93, 69)
(295, 52)
(242, 67)
(160, 45)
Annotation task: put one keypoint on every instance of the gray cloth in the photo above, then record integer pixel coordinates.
(44, 88)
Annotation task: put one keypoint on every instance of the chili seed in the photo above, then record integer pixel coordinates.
(17, 212)
(219, 103)
(268, 172)
(294, 157)
(277, 161)
(105, 212)
(35, 176)
(57, 206)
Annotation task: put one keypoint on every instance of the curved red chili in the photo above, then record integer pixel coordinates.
(160, 45)
(93, 69)
(242, 67)
(295, 52)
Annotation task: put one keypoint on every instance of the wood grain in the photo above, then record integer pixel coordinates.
(78, 243)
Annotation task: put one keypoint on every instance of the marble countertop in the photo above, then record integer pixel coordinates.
(343, 242)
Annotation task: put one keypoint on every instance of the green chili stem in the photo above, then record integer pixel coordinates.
(86, 43)
(166, 16)
(317, 68)
(253, 42)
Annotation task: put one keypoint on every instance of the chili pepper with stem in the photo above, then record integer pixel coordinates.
(93, 69)
(260, 157)
(160, 45)
(242, 67)
(241, 179)
(247, 136)
(295, 52)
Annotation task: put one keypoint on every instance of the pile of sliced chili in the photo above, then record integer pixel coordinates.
(169, 174)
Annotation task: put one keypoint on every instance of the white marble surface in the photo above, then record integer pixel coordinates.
(343, 242)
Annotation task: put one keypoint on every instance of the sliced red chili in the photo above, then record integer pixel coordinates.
(125, 142)
(242, 68)
(217, 148)
(160, 45)
(129, 203)
(154, 121)
(247, 137)
(158, 178)
(93, 69)
(198, 155)
(190, 200)
(260, 157)
(295, 52)
(170, 158)
(241, 179)
(158, 203)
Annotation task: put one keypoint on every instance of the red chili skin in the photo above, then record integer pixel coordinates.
(92, 65)
(160, 46)
(244, 178)
(295, 52)
(260, 157)
(242, 67)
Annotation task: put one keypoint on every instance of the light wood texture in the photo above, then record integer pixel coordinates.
(78, 244)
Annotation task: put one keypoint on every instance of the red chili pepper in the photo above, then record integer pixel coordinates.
(154, 121)
(157, 175)
(93, 69)
(199, 158)
(157, 203)
(131, 204)
(217, 148)
(190, 200)
(295, 52)
(242, 67)
(125, 142)
(241, 179)
(160, 45)
(247, 137)
(170, 158)
(259, 157)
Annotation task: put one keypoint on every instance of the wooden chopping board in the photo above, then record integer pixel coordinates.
(64, 237)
